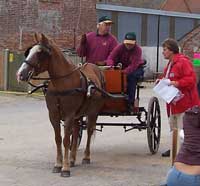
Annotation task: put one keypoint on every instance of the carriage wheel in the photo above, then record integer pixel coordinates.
(153, 125)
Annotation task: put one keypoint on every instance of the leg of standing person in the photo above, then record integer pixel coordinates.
(197, 72)
(176, 124)
(198, 88)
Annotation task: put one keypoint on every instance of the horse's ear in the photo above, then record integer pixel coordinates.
(44, 39)
(36, 37)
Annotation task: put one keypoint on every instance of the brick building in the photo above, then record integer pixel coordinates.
(63, 20)
(59, 19)
(190, 42)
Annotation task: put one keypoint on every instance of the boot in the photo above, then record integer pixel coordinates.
(166, 153)
(130, 108)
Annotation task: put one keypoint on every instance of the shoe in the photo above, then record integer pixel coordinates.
(163, 184)
(166, 153)
(130, 108)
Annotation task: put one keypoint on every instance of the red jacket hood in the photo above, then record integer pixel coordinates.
(177, 57)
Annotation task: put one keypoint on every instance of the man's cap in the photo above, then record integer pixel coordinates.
(105, 19)
(130, 38)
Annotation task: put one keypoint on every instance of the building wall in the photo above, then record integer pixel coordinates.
(146, 26)
(59, 19)
(191, 43)
(1, 70)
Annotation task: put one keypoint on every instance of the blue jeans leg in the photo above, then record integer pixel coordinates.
(131, 87)
(132, 79)
(177, 178)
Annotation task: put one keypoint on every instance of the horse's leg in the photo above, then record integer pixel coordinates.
(58, 140)
(91, 124)
(75, 133)
(65, 172)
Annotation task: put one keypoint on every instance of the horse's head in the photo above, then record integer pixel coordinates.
(36, 59)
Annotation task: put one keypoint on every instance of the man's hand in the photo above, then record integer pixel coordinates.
(83, 39)
(100, 63)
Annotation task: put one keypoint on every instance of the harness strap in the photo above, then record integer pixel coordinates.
(58, 77)
(25, 61)
(66, 92)
(83, 88)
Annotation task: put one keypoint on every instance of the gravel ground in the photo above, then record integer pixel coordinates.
(118, 159)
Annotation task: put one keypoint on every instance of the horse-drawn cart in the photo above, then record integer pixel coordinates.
(73, 92)
(115, 105)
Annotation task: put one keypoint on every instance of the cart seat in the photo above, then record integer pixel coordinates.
(116, 86)
(115, 81)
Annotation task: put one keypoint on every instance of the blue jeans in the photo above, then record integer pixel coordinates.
(132, 79)
(177, 178)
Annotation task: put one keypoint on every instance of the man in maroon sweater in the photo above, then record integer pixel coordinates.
(129, 54)
(96, 46)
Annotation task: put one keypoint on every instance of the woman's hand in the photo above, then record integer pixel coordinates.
(174, 83)
(157, 81)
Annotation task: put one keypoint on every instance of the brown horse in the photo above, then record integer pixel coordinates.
(69, 97)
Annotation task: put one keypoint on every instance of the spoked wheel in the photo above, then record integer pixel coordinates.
(80, 134)
(153, 125)
(142, 115)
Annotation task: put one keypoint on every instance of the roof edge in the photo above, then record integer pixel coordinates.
(185, 35)
(146, 11)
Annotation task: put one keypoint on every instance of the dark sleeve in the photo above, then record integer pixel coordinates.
(82, 49)
(114, 55)
(135, 61)
(113, 43)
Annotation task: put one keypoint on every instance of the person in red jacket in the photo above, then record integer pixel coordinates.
(180, 73)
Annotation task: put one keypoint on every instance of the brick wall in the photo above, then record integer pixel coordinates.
(59, 19)
(191, 42)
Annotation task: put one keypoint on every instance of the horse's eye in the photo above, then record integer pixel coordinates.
(26, 53)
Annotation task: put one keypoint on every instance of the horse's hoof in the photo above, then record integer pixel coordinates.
(56, 169)
(65, 174)
(85, 161)
(72, 164)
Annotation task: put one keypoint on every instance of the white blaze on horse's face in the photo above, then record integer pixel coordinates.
(33, 51)
(24, 69)
(19, 72)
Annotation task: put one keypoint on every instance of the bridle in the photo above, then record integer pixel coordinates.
(37, 66)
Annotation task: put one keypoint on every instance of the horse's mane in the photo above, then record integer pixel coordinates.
(50, 44)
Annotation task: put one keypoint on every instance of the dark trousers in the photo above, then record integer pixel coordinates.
(198, 88)
(132, 79)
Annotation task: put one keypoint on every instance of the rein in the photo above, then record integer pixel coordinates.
(54, 78)
(44, 85)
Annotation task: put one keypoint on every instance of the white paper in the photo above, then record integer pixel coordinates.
(165, 91)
